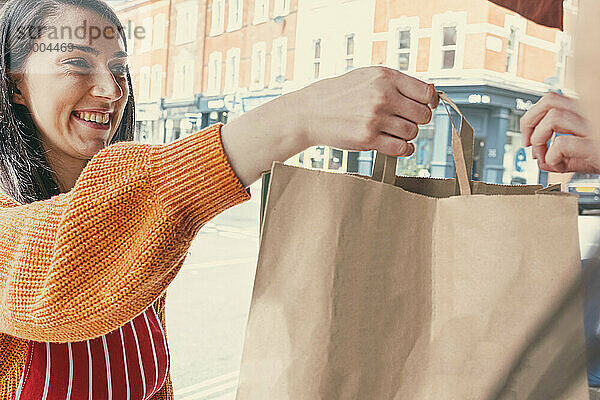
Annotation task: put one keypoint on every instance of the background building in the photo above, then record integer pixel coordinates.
(326, 46)
(249, 55)
(184, 72)
(494, 63)
(148, 62)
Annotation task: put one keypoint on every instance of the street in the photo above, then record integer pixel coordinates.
(208, 302)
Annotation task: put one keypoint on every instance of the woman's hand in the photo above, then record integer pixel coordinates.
(372, 108)
(577, 152)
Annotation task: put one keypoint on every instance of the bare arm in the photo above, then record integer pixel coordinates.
(374, 108)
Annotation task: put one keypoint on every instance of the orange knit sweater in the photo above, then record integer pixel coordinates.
(83, 263)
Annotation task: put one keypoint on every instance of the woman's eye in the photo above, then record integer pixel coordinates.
(78, 63)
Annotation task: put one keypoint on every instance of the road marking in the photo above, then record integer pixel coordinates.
(220, 263)
(209, 387)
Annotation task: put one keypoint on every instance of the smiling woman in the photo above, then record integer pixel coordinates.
(49, 89)
(94, 227)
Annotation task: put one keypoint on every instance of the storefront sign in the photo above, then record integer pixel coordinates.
(524, 104)
(520, 159)
(216, 104)
(477, 99)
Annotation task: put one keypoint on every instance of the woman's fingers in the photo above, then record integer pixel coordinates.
(353, 110)
(393, 146)
(409, 109)
(399, 127)
(414, 88)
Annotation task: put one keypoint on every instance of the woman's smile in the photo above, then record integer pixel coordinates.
(94, 120)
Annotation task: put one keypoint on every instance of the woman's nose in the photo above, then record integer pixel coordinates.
(106, 86)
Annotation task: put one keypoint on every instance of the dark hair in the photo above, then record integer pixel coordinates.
(25, 173)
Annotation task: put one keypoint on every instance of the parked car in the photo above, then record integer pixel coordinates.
(587, 186)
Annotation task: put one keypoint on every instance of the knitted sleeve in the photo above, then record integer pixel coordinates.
(83, 263)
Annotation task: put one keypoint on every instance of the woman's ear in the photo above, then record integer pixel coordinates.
(16, 96)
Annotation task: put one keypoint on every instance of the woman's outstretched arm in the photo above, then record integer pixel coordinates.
(83, 263)
(373, 108)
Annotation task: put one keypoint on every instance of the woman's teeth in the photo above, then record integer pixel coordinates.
(98, 118)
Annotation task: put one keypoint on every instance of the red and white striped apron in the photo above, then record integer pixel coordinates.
(129, 363)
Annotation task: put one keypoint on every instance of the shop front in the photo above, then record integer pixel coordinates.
(494, 113)
(210, 111)
(149, 122)
(182, 117)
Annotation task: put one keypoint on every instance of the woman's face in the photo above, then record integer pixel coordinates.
(76, 98)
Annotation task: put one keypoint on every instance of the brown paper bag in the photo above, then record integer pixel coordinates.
(414, 288)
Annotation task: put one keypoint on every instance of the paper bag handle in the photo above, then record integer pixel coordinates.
(462, 148)
(384, 169)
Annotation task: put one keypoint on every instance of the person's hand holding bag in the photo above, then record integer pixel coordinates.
(372, 108)
(576, 151)
(580, 150)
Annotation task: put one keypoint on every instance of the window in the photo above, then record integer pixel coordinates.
(235, 15)
(511, 56)
(159, 29)
(349, 52)
(514, 122)
(147, 40)
(336, 157)
(278, 61)
(317, 59)
(156, 82)
(420, 163)
(217, 17)
(447, 39)
(402, 43)
(317, 160)
(187, 20)
(144, 83)
(183, 80)
(261, 11)
(214, 73)
(259, 51)
(403, 49)
(282, 7)
(448, 47)
(232, 70)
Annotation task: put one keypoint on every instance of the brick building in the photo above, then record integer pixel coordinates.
(492, 61)
(147, 49)
(207, 60)
(248, 55)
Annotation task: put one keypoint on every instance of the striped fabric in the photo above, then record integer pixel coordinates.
(129, 363)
